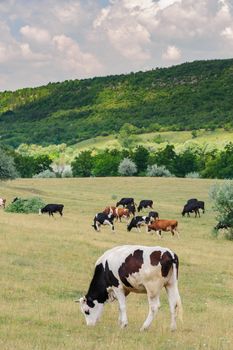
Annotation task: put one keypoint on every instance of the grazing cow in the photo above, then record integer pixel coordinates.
(131, 268)
(3, 202)
(163, 225)
(201, 204)
(125, 201)
(190, 208)
(51, 209)
(145, 203)
(131, 208)
(122, 213)
(221, 225)
(153, 215)
(103, 219)
(137, 222)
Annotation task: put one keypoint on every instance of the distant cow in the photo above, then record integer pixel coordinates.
(125, 201)
(153, 215)
(190, 208)
(138, 269)
(110, 210)
(118, 213)
(221, 225)
(103, 219)
(163, 225)
(137, 222)
(200, 204)
(3, 202)
(145, 203)
(52, 208)
(131, 208)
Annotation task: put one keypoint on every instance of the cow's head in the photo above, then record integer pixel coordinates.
(91, 309)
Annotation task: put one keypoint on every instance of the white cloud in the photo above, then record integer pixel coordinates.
(73, 59)
(34, 33)
(228, 33)
(172, 53)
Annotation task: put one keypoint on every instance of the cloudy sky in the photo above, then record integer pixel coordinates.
(44, 41)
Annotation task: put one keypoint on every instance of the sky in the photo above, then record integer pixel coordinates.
(46, 41)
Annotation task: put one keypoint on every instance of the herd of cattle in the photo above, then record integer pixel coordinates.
(151, 220)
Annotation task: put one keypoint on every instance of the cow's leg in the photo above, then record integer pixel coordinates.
(61, 213)
(154, 303)
(106, 222)
(158, 232)
(138, 228)
(174, 303)
(120, 295)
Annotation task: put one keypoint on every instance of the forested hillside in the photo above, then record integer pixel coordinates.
(184, 97)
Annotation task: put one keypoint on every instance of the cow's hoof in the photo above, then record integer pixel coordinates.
(124, 325)
(143, 329)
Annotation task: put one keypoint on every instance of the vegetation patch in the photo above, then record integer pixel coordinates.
(29, 205)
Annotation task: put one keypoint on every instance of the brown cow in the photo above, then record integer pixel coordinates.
(118, 213)
(163, 225)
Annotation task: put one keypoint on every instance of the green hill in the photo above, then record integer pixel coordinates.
(184, 97)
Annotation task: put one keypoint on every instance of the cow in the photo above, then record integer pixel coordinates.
(51, 209)
(133, 268)
(153, 215)
(103, 219)
(145, 203)
(118, 213)
(3, 202)
(110, 210)
(222, 225)
(190, 208)
(163, 225)
(200, 204)
(131, 208)
(125, 201)
(137, 222)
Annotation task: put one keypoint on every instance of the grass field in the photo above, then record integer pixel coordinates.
(47, 263)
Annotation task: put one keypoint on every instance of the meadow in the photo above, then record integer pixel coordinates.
(46, 263)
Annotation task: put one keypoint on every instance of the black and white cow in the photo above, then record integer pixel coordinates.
(125, 201)
(103, 219)
(131, 268)
(145, 203)
(51, 209)
(137, 222)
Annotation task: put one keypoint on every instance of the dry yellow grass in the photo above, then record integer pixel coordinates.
(47, 263)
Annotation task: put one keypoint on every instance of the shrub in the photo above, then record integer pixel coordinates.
(222, 195)
(30, 205)
(7, 167)
(67, 173)
(193, 175)
(45, 174)
(127, 167)
(155, 170)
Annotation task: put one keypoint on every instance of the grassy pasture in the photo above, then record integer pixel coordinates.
(47, 263)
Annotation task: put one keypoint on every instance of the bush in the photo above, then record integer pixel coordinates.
(127, 167)
(155, 170)
(7, 167)
(222, 195)
(45, 174)
(67, 173)
(30, 205)
(193, 175)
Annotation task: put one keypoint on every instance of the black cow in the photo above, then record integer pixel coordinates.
(153, 215)
(190, 208)
(145, 203)
(201, 204)
(221, 225)
(131, 208)
(125, 201)
(103, 219)
(137, 221)
(52, 208)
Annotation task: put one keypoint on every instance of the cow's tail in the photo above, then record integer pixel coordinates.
(179, 308)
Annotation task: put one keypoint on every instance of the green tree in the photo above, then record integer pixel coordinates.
(140, 157)
(7, 166)
(221, 165)
(82, 164)
(106, 163)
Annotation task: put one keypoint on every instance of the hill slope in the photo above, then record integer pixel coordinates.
(183, 97)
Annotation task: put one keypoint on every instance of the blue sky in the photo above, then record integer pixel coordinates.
(54, 40)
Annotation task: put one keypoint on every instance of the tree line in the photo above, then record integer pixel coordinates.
(139, 161)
